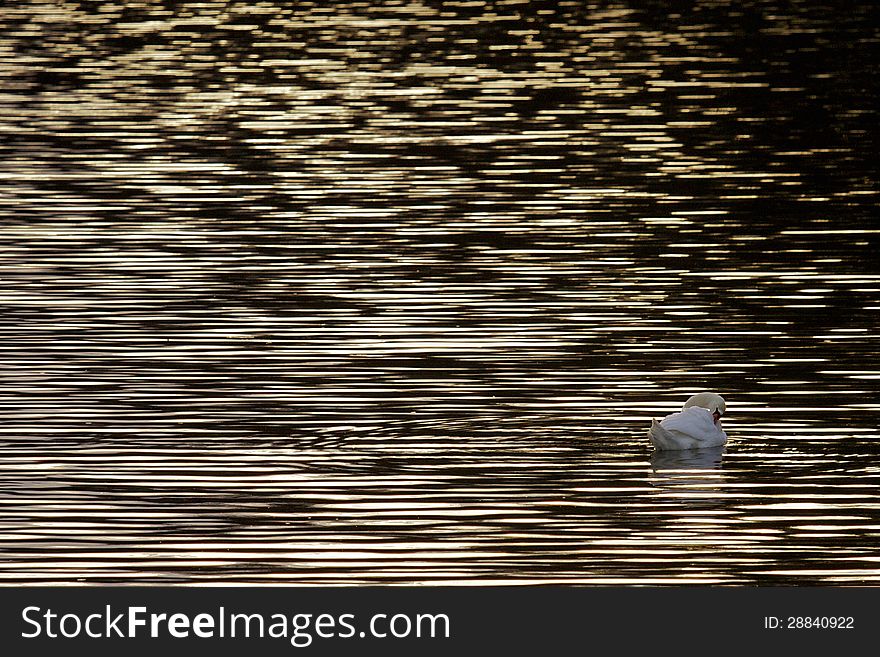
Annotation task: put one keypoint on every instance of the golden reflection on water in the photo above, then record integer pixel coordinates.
(390, 292)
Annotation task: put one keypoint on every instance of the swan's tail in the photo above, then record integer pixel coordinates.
(654, 433)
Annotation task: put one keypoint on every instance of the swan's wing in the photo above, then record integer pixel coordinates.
(693, 421)
(664, 438)
(693, 428)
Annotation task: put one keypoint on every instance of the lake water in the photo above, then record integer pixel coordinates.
(390, 292)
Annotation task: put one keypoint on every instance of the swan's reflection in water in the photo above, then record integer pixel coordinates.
(692, 469)
(688, 459)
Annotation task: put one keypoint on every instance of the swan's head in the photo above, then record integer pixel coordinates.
(710, 401)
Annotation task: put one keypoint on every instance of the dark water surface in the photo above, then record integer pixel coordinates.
(389, 292)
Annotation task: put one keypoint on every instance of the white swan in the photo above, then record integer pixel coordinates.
(697, 426)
